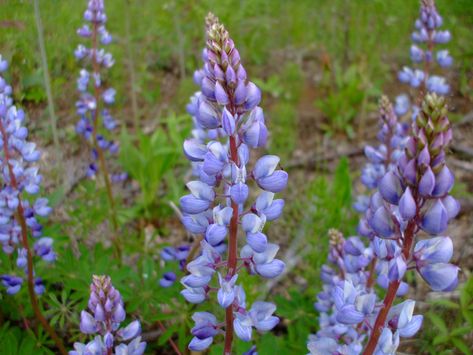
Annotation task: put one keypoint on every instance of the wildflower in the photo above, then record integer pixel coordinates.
(426, 36)
(104, 316)
(19, 197)
(228, 123)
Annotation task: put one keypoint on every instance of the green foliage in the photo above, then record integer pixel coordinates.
(153, 159)
(450, 324)
(285, 88)
(347, 93)
(286, 44)
(14, 341)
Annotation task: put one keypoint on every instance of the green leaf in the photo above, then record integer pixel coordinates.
(461, 345)
(27, 346)
(441, 339)
(164, 337)
(461, 331)
(438, 322)
(446, 303)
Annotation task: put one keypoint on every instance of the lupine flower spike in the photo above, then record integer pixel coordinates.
(96, 120)
(103, 320)
(392, 136)
(229, 123)
(415, 197)
(426, 37)
(20, 206)
(412, 196)
(345, 302)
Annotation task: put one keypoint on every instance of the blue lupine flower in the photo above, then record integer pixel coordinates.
(175, 253)
(426, 36)
(412, 195)
(20, 190)
(106, 313)
(95, 99)
(413, 198)
(204, 331)
(228, 123)
(393, 137)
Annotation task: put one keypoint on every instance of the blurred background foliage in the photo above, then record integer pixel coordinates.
(321, 64)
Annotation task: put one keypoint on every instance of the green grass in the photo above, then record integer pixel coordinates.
(286, 46)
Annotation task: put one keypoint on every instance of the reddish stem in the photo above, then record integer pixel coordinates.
(173, 344)
(391, 293)
(372, 268)
(232, 256)
(20, 216)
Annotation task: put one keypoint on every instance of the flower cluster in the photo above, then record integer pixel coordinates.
(426, 36)
(392, 137)
(228, 123)
(93, 93)
(344, 301)
(412, 197)
(106, 314)
(20, 206)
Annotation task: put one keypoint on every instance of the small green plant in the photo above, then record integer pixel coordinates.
(450, 324)
(346, 95)
(151, 160)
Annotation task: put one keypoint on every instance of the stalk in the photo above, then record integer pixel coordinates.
(47, 83)
(100, 153)
(391, 294)
(131, 68)
(24, 240)
(232, 257)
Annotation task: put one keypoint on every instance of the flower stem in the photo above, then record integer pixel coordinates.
(47, 84)
(100, 153)
(20, 215)
(232, 257)
(391, 293)
(173, 344)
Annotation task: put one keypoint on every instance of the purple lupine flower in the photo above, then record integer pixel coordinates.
(19, 196)
(104, 316)
(393, 137)
(425, 36)
(169, 254)
(412, 195)
(228, 123)
(415, 197)
(95, 119)
(345, 303)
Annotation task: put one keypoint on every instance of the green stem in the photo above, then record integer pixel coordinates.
(47, 83)
(100, 152)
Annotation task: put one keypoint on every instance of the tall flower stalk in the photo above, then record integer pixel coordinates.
(95, 99)
(18, 216)
(411, 199)
(229, 123)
